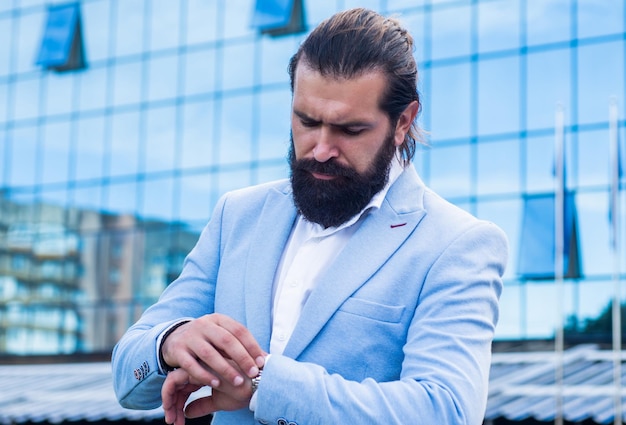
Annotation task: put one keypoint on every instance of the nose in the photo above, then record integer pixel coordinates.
(325, 147)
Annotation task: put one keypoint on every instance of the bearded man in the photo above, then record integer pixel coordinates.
(348, 293)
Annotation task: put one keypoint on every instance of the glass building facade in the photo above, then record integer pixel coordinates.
(123, 121)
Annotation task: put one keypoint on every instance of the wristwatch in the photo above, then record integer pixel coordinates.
(256, 381)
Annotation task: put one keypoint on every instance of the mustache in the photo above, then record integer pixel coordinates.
(330, 167)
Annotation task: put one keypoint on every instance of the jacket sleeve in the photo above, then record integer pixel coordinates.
(136, 377)
(447, 354)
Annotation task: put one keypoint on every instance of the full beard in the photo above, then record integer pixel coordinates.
(333, 202)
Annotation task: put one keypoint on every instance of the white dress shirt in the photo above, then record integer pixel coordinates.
(310, 250)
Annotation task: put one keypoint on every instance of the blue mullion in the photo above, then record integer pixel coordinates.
(474, 106)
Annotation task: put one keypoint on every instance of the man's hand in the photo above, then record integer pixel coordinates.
(177, 388)
(214, 350)
(174, 393)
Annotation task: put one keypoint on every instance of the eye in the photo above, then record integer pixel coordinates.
(308, 123)
(351, 132)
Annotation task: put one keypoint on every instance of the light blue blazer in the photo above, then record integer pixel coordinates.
(398, 330)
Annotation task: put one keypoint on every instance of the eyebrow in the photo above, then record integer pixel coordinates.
(348, 124)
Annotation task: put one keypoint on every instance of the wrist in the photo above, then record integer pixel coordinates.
(163, 363)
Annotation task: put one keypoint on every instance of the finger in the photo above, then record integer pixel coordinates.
(242, 348)
(201, 343)
(200, 407)
(174, 393)
(200, 372)
(211, 367)
(170, 395)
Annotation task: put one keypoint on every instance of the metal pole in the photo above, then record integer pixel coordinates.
(559, 208)
(615, 245)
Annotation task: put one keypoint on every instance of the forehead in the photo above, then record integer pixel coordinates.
(330, 97)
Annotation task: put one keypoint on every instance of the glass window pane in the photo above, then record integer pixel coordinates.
(236, 130)
(163, 77)
(27, 3)
(600, 17)
(237, 18)
(89, 198)
(238, 66)
(56, 151)
(450, 102)
(547, 21)
(597, 84)
(507, 215)
(24, 154)
(124, 143)
(594, 297)
(369, 4)
(450, 170)
(317, 11)
(593, 220)
(160, 136)
(542, 312)
(274, 111)
(4, 100)
(61, 31)
(231, 180)
(89, 149)
(498, 167)
(537, 249)
(55, 197)
(273, 172)
(197, 139)
(202, 19)
(29, 32)
(6, 34)
(540, 164)
(594, 164)
(122, 198)
(59, 92)
(129, 26)
(199, 71)
(165, 24)
(276, 54)
(128, 81)
(157, 199)
(498, 25)
(548, 85)
(27, 98)
(498, 96)
(4, 159)
(96, 29)
(402, 4)
(93, 88)
(451, 31)
(274, 14)
(414, 22)
(194, 202)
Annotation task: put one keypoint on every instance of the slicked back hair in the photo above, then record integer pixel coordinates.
(357, 41)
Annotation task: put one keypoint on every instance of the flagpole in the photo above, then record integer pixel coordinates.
(615, 246)
(559, 208)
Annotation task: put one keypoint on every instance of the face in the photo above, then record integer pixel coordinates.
(342, 144)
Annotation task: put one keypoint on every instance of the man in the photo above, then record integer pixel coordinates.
(350, 293)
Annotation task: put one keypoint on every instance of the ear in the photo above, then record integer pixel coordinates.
(405, 120)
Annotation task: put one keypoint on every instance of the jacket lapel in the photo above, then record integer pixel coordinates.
(379, 236)
(268, 242)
